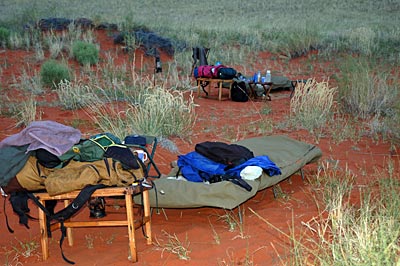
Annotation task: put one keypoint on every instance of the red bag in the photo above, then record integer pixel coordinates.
(205, 71)
(224, 72)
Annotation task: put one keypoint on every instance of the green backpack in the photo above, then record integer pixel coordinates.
(92, 149)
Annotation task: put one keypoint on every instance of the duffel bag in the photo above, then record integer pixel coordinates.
(226, 73)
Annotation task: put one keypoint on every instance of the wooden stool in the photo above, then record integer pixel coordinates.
(130, 222)
(211, 80)
(267, 86)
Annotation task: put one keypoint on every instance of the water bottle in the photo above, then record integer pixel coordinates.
(259, 76)
(268, 76)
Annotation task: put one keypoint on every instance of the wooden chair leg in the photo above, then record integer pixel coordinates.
(198, 88)
(44, 238)
(220, 91)
(146, 206)
(131, 226)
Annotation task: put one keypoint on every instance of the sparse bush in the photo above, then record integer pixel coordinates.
(365, 91)
(311, 105)
(30, 82)
(4, 37)
(155, 112)
(164, 113)
(74, 95)
(366, 234)
(85, 53)
(53, 72)
(27, 112)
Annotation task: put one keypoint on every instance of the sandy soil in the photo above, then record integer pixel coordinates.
(257, 243)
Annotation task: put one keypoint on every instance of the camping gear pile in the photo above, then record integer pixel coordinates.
(50, 156)
(240, 89)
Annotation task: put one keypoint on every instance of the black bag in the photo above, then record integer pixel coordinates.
(239, 92)
(226, 73)
(49, 160)
(220, 152)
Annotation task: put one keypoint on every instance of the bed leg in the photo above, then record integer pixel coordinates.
(302, 174)
(274, 191)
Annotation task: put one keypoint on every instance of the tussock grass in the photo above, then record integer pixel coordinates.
(366, 91)
(74, 95)
(288, 28)
(164, 113)
(311, 106)
(31, 82)
(26, 112)
(154, 111)
(345, 232)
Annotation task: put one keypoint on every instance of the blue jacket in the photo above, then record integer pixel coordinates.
(197, 168)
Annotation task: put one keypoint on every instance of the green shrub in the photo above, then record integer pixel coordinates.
(85, 53)
(52, 72)
(4, 36)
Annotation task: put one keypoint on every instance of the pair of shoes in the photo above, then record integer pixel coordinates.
(97, 207)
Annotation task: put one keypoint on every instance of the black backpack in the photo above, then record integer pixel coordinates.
(239, 92)
(220, 152)
(226, 73)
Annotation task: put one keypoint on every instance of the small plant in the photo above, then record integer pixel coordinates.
(53, 72)
(234, 221)
(26, 249)
(85, 53)
(4, 37)
(175, 246)
(39, 53)
(216, 237)
(89, 241)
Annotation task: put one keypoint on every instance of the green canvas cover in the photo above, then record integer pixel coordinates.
(281, 82)
(288, 154)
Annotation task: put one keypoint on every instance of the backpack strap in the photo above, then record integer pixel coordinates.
(5, 213)
(66, 213)
(237, 181)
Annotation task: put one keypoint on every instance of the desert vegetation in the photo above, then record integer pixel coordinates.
(358, 44)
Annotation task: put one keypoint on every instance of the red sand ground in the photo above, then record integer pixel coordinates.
(217, 121)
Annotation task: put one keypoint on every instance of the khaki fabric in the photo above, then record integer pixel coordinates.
(28, 177)
(76, 175)
(289, 154)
